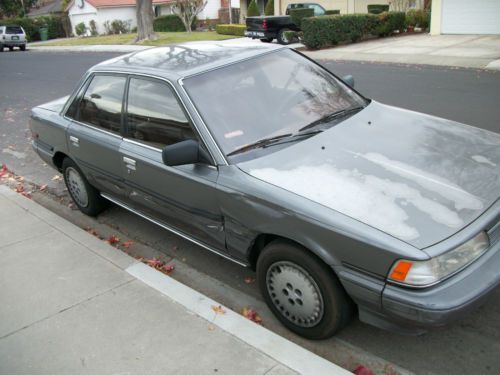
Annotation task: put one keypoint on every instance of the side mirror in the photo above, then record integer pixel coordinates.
(349, 79)
(185, 152)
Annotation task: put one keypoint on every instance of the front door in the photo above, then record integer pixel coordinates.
(94, 137)
(181, 197)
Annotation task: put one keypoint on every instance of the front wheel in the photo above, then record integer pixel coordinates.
(266, 40)
(302, 291)
(86, 197)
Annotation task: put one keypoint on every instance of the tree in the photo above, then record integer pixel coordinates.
(253, 9)
(269, 9)
(187, 10)
(15, 8)
(145, 15)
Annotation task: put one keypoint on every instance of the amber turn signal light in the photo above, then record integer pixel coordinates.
(400, 270)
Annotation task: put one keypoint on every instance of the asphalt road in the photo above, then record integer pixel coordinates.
(470, 96)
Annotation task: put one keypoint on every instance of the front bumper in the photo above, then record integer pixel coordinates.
(414, 311)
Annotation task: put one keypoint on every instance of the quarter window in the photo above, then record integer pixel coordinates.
(101, 105)
(154, 115)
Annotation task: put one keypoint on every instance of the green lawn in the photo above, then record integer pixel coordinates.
(164, 38)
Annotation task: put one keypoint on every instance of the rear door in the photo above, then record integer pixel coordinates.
(94, 136)
(182, 197)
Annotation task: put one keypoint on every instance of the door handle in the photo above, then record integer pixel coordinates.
(129, 163)
(74, 141)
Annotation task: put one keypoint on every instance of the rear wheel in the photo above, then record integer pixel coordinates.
(23, 47)
(86, 197)
(266, 40)
(282, 39)
(302, 291)
(11, 48)
(1, 47)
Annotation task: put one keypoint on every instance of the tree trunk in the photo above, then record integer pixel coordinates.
(144, 12)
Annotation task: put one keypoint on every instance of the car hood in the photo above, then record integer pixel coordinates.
(416, 177)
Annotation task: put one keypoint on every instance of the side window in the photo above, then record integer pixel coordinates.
(101, 105)
(318, 11)
(154, 116)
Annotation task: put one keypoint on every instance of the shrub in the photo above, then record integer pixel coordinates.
(31, 25)
(80, 29)
(377, 8)
(253, 9)
(390, 21)
(120, 27)
(269, 9)
(233, 29)
(332, 11)
(418, 17)
(326, 31)
(93, 28)
(170, 22)
(298, 14)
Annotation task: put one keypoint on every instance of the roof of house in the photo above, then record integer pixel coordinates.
(52, 7)
(116, 3)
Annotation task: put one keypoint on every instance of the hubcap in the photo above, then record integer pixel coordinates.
(295, 294)
(76, 187)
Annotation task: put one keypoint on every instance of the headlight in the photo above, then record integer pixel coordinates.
(428, 272)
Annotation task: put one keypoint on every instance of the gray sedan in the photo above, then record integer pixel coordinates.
(341, 204)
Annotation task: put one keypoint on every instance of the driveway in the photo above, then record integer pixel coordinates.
(468, 51)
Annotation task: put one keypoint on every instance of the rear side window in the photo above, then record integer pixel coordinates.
(154, 116)
(101, 105)
(13, 30)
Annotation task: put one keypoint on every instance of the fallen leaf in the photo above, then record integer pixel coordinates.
(92, 231)
(362, 370)
(72, 206)
(42, 188)
(27, 194)
(211, 327)
(19, 178)
(251, 314)
(56, 178)
(155, 263)
(127, 244)
(19, 188)
(113, 239)
(249, 280)
(218, 310)
(4, 171)
(168, 268)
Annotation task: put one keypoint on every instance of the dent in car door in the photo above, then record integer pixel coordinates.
(183, 197)
(94, 137)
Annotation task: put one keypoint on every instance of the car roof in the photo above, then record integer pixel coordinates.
(182, 60)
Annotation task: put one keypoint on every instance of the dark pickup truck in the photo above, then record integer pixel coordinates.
(267, 28)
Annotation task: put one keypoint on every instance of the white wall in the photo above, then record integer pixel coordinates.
(211, 10)
(85, 15)
(116, 13)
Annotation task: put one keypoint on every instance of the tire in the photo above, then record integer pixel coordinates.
(302, 291)
(11, 49)
(1, 47)
(23, 47)
(86, 197)
(281, 37)
(266, 40)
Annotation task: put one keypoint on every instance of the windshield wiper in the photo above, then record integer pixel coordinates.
(330, 117)
(260, 143)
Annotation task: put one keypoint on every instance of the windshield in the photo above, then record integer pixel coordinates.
(268, 96)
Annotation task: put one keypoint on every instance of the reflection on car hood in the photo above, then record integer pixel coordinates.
(416, 177)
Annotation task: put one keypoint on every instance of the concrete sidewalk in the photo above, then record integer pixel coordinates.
(72, 304)
(468, 51)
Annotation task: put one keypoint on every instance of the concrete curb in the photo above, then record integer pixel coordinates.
(273, 345)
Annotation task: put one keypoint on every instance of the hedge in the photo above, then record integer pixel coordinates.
(377, 8)
(390, 21)
(233, 29)
(298, 14)
(31, 26)
(418, 17)
(330, 30)
(170, 22)
(332, 11)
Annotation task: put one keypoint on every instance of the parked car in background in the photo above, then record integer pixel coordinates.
(341, 204)
(12, 36)
(318, 9)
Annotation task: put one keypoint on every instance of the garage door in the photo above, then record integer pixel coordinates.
(470, 17)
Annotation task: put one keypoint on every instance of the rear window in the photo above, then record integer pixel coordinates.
(13, 30)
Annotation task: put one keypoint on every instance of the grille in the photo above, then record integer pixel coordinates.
(494, 234)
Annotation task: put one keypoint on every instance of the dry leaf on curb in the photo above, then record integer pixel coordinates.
(113, 240)
(4, 171)
(56, 178)
(251, 314)
(26, 194)
(19, 178)
(42, 188)
(127, 244)
(92, 231)
(19, 188)
(155, 263)
(211, 327)
(218, 310)
(362, 370)
(168, 268)
(249, 280)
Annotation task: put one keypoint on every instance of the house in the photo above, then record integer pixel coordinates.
(465, 17)
(345, 6)
(102, 11)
